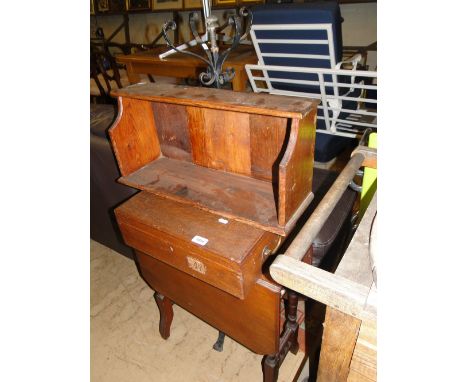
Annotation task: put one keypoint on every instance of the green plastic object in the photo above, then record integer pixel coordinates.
(369, 181)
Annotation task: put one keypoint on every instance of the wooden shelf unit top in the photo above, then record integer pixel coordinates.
(263, 104)
(219, 151)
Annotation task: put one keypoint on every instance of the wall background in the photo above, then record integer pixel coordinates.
(359, 26)
(360, 23)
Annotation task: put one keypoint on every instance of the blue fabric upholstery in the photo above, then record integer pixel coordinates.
(371, 94)
(323, 12)
(329, 146)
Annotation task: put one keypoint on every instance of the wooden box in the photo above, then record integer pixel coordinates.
(243, 156)
(221, 252)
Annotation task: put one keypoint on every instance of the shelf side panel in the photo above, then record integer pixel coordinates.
(268, 141)
(133, 135)
(296, 168)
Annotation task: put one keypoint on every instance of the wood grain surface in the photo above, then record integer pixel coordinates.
(268, 141)
(339, 339)
(364, 362)
(254, 322)
(220, 139)
(230, 195)
(231, 242)
(133, 135)
(231, 259)
(233, 154)
(184, 66)
(296, 167)
(264, 104)
(173, 132)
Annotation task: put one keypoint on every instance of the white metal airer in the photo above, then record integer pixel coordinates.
(334, 86)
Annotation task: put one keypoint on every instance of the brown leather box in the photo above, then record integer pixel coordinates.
(220, 251)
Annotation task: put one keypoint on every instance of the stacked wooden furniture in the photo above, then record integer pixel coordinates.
(224, 177)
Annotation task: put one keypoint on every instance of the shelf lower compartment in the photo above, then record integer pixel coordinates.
(226, 194)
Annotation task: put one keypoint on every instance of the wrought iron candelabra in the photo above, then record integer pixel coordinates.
(214, 75)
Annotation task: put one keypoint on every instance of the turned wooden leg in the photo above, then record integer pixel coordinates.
(239, 81)
(166, 314)
(287, 342)
(270, 365)
(292, 319)
(132, 75)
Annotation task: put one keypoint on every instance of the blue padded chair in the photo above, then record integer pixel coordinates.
(306, 36)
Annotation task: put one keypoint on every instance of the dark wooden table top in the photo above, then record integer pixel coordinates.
(243, 54)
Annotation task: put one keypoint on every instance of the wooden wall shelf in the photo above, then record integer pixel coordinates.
(245, 156)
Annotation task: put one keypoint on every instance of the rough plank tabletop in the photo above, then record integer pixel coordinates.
(266, 104)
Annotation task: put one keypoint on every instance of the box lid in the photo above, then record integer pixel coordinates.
(221, 251)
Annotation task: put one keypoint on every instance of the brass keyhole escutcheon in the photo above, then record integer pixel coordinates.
(266, 252)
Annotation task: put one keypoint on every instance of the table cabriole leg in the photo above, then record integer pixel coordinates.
(218, 345)
(166, 314)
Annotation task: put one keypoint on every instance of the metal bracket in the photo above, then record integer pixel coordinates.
(355, 187)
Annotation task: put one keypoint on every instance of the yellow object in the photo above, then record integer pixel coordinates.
(369, 180)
